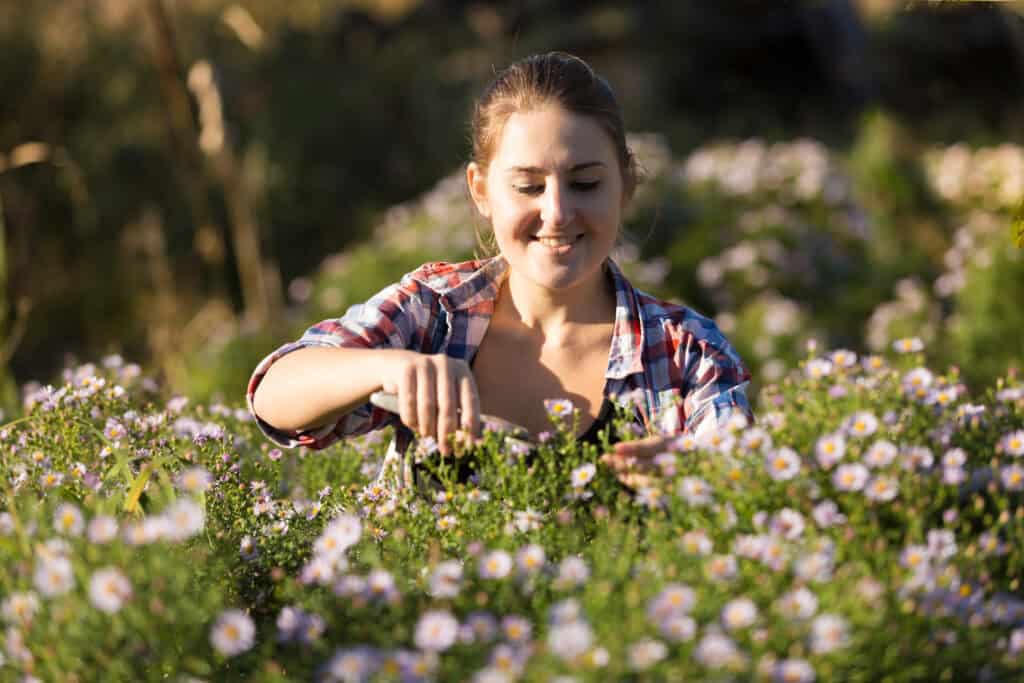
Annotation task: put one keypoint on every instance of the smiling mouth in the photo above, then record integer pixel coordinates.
(558, 242)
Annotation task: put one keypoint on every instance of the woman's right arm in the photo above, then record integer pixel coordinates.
(312, 387)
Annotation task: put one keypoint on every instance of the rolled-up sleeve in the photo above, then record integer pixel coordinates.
(715, 387)
(399, 317)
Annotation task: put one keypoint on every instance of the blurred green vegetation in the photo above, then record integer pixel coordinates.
(169, 172)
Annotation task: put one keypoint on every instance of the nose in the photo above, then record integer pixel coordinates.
(556, 205)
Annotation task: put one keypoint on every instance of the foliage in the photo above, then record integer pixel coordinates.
(870, 525)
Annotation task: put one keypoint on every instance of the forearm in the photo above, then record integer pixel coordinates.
(314, 386)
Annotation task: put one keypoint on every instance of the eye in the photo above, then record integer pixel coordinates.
(529, 189)
(585, 185)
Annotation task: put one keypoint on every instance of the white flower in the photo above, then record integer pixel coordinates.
(19, 608)
(862, 424)
(755, 439)
(1012, 477)
(517, 629)
(352, 665)
(721, 567)
(233, 633)
(787, 523)
(530, 558)
(739, 613)
(572, 572)
(818, 368)
(880, 454)
(677, 628)
(850, 477)
(716, 650)
(829, 450)
(445, 581)
(814, 567)
(436, 631)
(782, 464)
(697, 542)
(495, 565)
(695, 491)
(340, 534)
(527, 520)
(101, 529)
(109, 589)
(799, 603)
(195, 480)
(908, 345)
(68, 520)
(675, 598)
(828, 632)
(917, 458)
(843, 358)
(794, 671)
(54, 576)
(1012, 443)
(570, 640)
(582, 475)
(646, 653)
(882, 488)
(954, 457)
(185, 518)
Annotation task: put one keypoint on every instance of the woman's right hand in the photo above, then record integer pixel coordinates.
(437, 395)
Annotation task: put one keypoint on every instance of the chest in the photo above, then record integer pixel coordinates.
(514, 377)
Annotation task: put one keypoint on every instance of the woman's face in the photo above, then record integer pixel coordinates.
(553, 192)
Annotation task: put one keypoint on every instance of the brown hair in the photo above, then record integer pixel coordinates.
(551, 78)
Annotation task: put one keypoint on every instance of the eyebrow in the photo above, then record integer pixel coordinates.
(537, 169)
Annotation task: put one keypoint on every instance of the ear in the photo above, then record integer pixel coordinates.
(476, 179)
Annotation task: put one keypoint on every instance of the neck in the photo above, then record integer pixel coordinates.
(556, 315)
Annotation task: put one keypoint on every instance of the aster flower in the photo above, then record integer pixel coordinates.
(788, 524)
(19, 608)
(650, 497)
(195, 480)
(233, 633)
(880, 453)
(675, 598)
(829, 450)
(447, 522)
(721, 567)
(697, 542)
(582, 475)
(828, 633)
(380, 585)
(517, 629)
(782, 464)
(793, 671)
(109, 589)
(694, 491)
(843, 358)
(861, 424)
(446, 579)
(53, 576)
(339, 535)
(570, 640)
(1012, 443)
(850, 477)
(815, 566)
(68, 520)
(436, 631)
(646, 653)
(881, 488)
(917, 458)
(908, 345)
(495, 565)
(352, 665)
(716, 651)
(478, 496)
(799, 603)
(755, 439)
(185, 518)
(572, 572)
(559, 408)
(1012, 477)
(530, 558)
(527, 520)
(818, 368)
(739, 613)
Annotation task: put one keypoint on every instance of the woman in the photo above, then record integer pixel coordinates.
(550, 316)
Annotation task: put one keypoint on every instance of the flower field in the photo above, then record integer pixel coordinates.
(868, 527)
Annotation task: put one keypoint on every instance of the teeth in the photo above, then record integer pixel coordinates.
(556, 241)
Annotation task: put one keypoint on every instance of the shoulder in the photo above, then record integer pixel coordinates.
(685, 329)
(442, 277)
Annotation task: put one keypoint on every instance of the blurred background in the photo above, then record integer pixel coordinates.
(189, 184)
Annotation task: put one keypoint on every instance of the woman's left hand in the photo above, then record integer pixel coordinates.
(633, 461)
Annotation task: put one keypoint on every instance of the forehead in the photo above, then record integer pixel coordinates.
(552, 139)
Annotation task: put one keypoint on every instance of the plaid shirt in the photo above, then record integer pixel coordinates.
(676, 367)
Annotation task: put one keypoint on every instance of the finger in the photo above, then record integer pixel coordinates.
(426, 400)
(447, 409)
(407, 399)
(469, 400)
